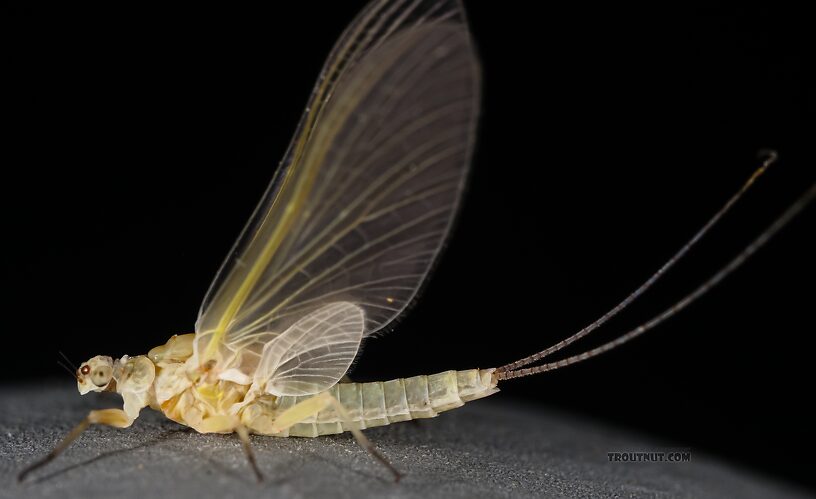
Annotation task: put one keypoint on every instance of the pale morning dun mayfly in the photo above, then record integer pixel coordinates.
(338, 247)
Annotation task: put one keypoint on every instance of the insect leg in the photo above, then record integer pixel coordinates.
(312, 406)
(361, 439)
(228, 424)
(243, 434)
(217, 424)
(300, 411)
(110, 417)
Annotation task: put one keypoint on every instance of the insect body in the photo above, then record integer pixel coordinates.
(338, 247)
(159, 380)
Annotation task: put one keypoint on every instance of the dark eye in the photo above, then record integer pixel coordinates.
(85, 369)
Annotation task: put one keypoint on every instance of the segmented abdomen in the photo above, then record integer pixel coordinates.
(385, 402)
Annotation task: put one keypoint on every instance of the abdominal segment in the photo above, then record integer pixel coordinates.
(374, 404)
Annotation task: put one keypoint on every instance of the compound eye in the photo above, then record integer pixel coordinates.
(85, 369)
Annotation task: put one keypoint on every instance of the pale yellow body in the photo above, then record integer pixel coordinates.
(200, 400)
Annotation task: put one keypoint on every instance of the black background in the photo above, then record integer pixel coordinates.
(138, 142)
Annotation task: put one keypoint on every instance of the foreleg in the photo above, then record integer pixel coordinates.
(109, 417)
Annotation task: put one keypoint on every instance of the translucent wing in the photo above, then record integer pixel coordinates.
(366, 193)
(314, 352)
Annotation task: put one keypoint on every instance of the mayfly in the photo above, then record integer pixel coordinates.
(340, 244)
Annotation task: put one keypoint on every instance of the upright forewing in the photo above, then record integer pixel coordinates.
(369, 186)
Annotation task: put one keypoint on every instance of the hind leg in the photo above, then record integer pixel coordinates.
(310, 407)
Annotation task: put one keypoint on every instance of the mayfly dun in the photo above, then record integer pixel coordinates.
(340, 243)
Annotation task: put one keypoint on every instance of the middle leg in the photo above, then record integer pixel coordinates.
(228, 424)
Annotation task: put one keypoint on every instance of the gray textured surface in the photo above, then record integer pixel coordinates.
(490, 448)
